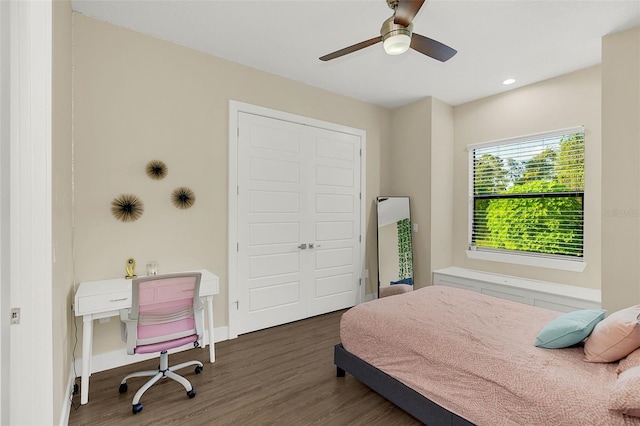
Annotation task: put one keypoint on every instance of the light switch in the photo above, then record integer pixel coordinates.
(415, 227)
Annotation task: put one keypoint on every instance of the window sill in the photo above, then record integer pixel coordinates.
(541, 262)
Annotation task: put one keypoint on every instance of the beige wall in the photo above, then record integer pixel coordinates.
(422, 168)
(411, 175)
(442, 148)
(62, 294)
(138, 98)
(621, 169)
(569, 100)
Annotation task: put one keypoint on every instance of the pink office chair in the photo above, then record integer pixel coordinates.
(165, 314)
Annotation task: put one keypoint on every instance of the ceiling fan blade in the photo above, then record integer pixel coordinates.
(351, 49)
(432, 48)
(406, 11)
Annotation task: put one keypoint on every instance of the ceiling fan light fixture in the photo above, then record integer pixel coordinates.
(396, 38)
(397, 44)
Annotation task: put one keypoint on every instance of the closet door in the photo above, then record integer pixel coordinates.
(271, 222)
(298, 221)
(334, 212)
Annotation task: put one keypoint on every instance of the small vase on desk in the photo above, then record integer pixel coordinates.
(152, 268)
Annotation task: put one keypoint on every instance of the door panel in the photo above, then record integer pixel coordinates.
(335, 149)
(333, 285)
(298, 221)
(273, 265)
(335, 215)
(273, 233)
(269, 135)
(273, 201)
(334, 176)
(270, 220)
(327, 231)
(274, 170)
(275, 296)
(332, 203)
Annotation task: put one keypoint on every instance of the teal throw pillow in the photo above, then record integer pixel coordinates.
(569, 329)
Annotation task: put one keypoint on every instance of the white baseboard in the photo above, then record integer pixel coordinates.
(369, 297)
(118, 358)
(66, 403)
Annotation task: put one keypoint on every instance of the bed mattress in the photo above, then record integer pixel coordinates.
(473, 354)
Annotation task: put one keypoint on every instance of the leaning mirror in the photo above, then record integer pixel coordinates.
(395, 255)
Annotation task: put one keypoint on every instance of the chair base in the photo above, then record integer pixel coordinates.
(163, 371)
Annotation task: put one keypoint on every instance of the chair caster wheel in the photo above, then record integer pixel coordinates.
(123, 388)
(191, 393)
(198, 370)
(136, 408)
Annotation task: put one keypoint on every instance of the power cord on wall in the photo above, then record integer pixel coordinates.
(73, 363)
(75, 389)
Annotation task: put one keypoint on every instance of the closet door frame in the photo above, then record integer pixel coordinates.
(235, 108)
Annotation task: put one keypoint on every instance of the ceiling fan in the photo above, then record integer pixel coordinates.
(397, 35)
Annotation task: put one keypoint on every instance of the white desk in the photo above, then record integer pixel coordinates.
(105, 298)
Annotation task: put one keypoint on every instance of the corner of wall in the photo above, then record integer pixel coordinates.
(442, 173)
(62, 273)
(620, 158)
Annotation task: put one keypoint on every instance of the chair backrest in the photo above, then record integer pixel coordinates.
(164, 308)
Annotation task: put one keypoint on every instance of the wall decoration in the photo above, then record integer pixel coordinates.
(156, 169)
(127, 208)
(183, 198)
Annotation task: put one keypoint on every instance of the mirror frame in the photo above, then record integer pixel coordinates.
(380, 199)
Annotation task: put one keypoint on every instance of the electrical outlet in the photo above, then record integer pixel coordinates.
(15, 316)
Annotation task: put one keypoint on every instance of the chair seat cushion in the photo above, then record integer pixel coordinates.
(163, 346)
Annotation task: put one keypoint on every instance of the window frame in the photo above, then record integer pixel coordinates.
(553, 261)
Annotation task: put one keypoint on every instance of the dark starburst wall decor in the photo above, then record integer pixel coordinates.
(127, 208)
(183, 197)
(156, 169)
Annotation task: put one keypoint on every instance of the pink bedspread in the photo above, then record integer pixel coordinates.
(473, 354)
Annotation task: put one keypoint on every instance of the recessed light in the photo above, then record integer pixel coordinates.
(509, 81)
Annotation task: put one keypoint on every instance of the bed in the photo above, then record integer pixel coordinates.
(455, 357)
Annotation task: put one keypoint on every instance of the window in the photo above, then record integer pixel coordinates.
(527, 195)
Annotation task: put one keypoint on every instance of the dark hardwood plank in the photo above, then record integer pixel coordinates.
(280, 376)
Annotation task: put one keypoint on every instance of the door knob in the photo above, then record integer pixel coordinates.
(302, 246)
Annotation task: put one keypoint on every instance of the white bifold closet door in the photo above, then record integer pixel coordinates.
(298, 221)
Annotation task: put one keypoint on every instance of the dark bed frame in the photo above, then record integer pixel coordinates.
(419, 406)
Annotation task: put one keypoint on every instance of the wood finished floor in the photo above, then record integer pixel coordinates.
(280, 376)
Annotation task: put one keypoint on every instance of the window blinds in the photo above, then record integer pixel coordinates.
(526, 194)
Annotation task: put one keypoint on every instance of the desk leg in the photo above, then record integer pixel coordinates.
(212, 349)
(87, 341)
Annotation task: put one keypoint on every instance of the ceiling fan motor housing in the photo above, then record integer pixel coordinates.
(395, 37)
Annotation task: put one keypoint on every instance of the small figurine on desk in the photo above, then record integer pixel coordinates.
(131, 266)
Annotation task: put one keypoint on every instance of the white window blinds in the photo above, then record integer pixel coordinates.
(526, 194)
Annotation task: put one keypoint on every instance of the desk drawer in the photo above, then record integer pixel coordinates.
(103, 302)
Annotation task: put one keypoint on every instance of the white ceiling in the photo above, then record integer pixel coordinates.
(527, 40)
